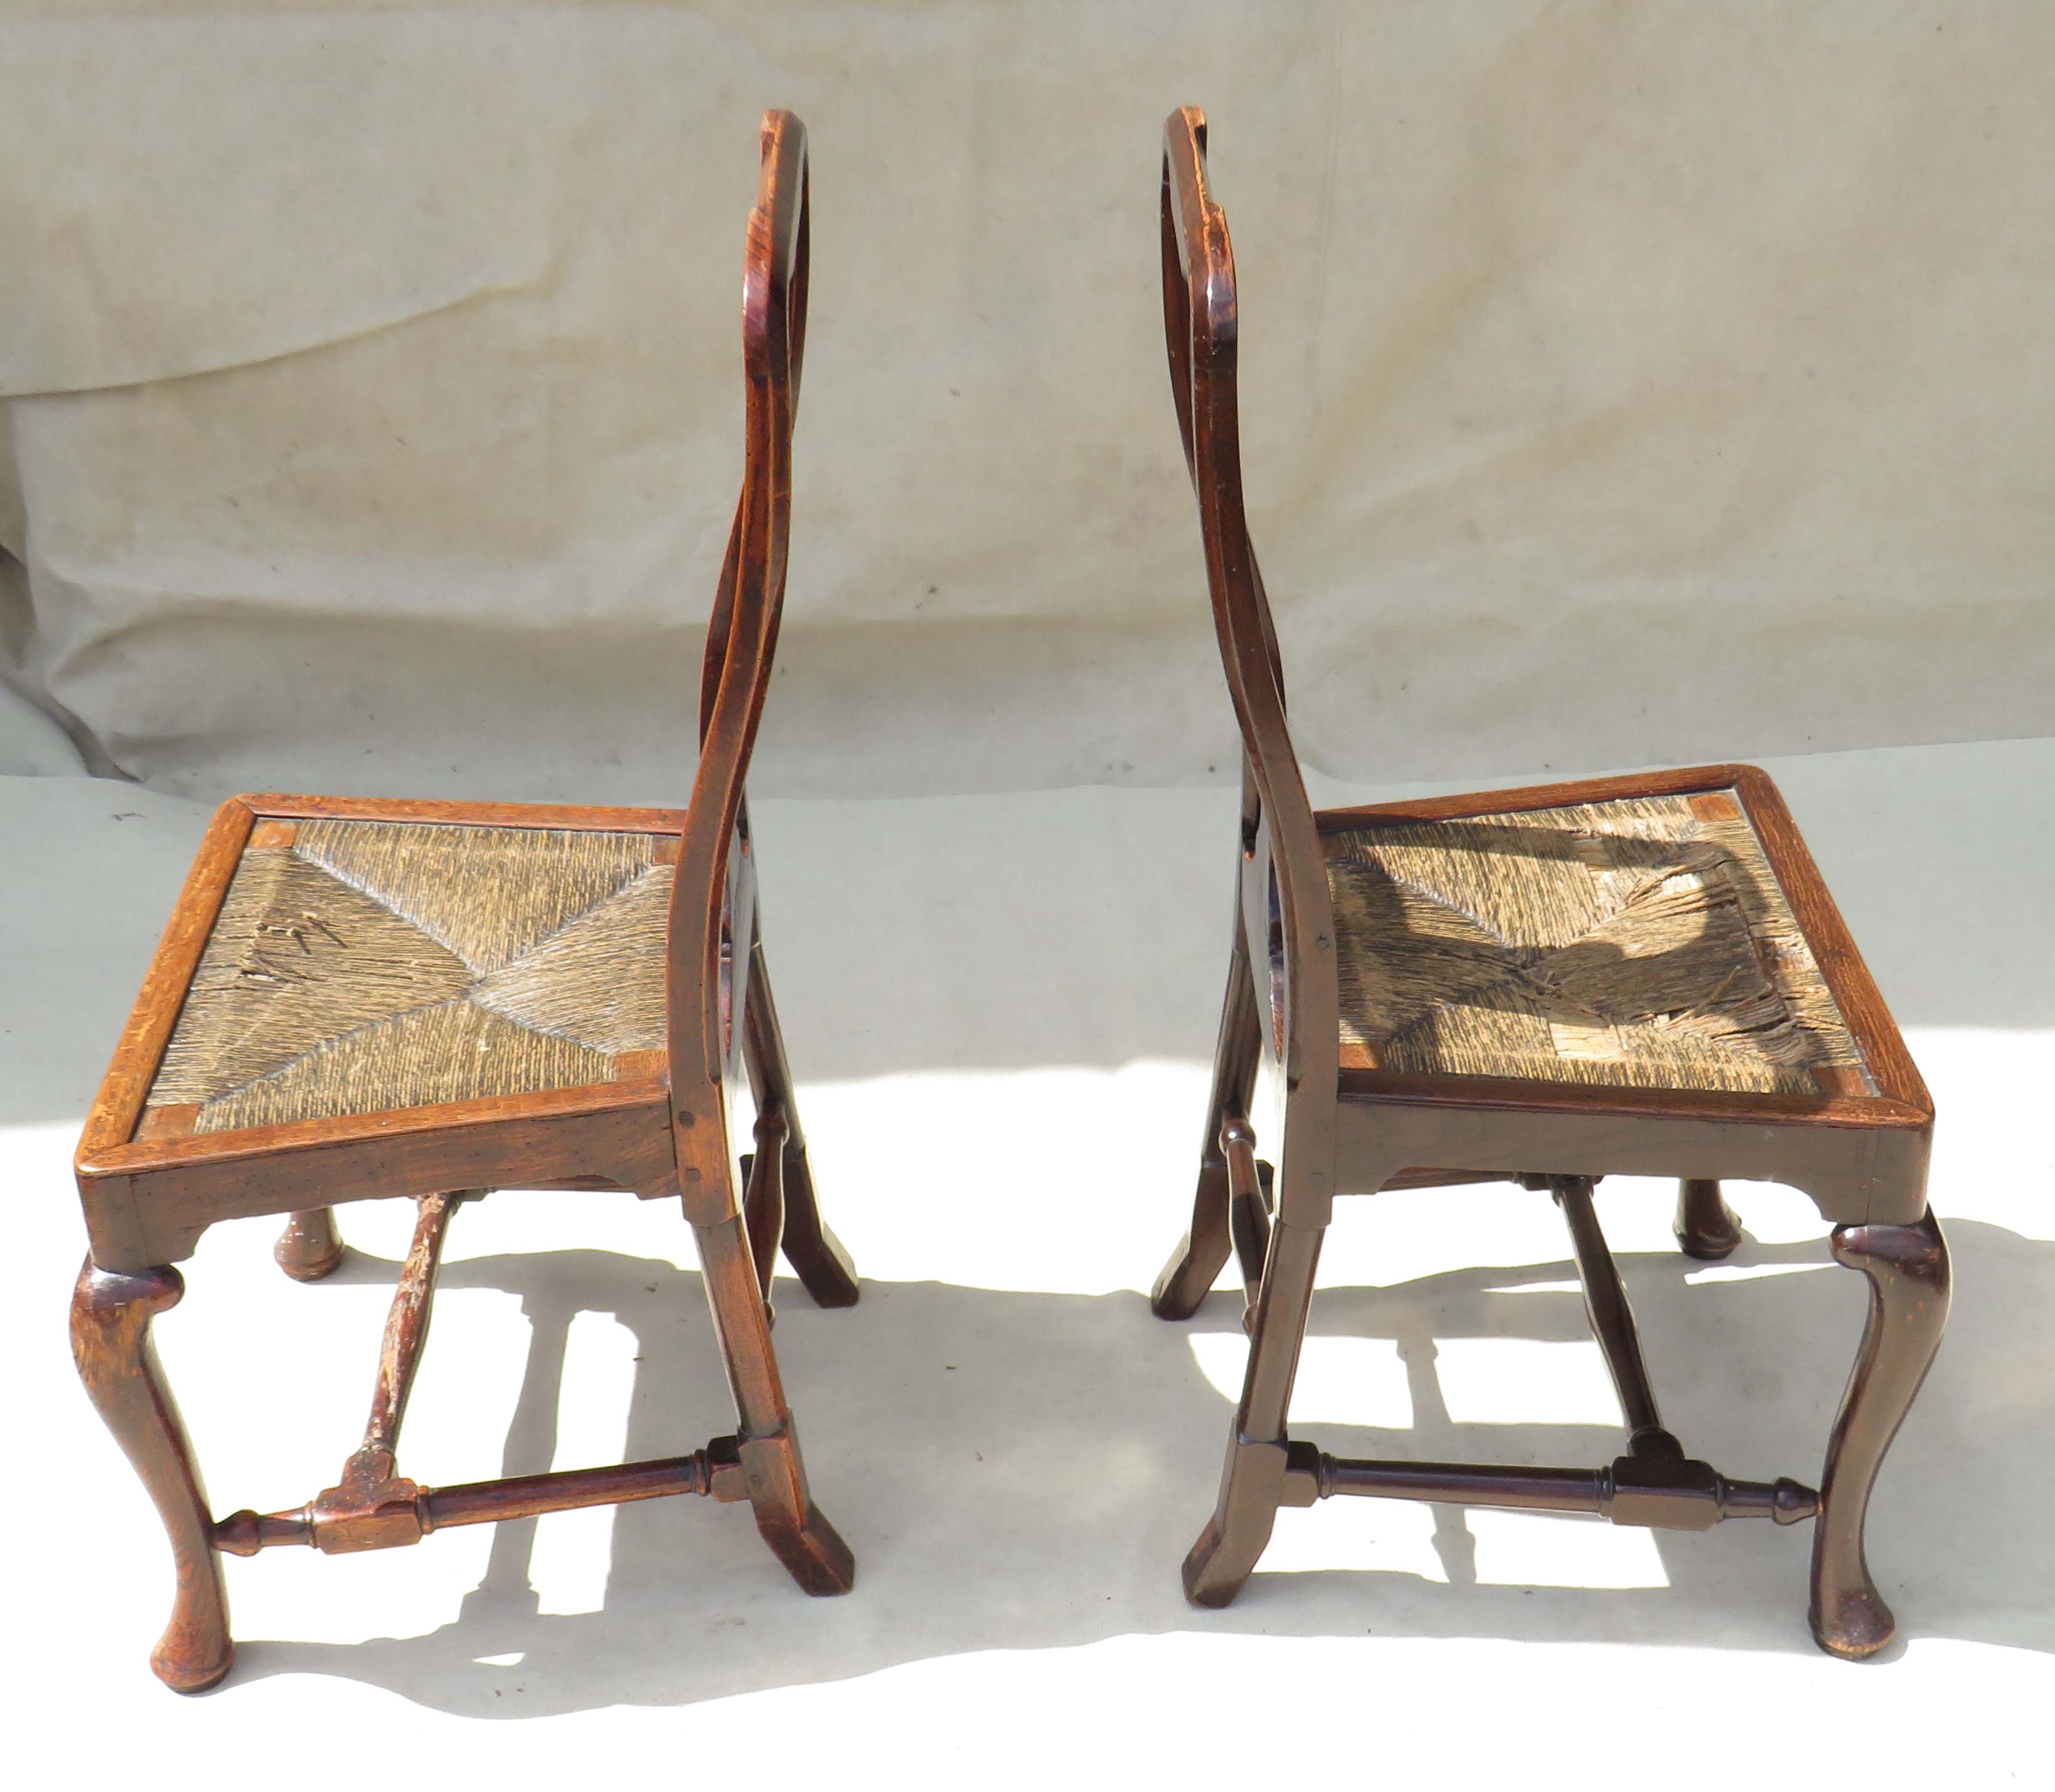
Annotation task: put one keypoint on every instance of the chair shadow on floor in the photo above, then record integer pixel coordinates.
(1022, 1470)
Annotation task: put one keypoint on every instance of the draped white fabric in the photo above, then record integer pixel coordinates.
(1622, 383)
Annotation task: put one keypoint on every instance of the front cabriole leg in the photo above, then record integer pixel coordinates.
(1907, 1267)
(1706, 1227)
(110, 1340)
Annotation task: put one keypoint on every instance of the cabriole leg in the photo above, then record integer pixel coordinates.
(1253, 1481)
(110, 1341)
(1706, 1227)
(800, 1537)
(816, 1255)
(310, 1247)
(1907, 1267)
(1188, 1275)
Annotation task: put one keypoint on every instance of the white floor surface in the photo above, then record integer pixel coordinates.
(999, 1010)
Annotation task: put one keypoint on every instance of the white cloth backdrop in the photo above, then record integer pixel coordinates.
(1622, 382)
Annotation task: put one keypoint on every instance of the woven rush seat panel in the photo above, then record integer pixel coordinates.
(359, 967)
(1642, 941)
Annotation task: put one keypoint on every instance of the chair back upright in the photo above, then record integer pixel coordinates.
(713, 899)
(1286, 913)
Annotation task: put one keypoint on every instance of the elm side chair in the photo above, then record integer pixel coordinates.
(1639, 976)
(357, 1000)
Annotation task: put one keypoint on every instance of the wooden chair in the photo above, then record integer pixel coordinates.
(1638, 976)
(357, 1000)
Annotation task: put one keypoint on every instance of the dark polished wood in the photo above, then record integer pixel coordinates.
(311, 1246)
(1677, 1495)
(1607, 1308)
(1854, 1136)
(816, 1254)
(110, 1341)
(764, 1198)
(153, 1177)
(1907, 1268)
(1706, 1227)
(716, 1470)
(1249, 1185)
(1204, 1252)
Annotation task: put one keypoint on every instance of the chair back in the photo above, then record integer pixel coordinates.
(712, 901)
(1285, 910)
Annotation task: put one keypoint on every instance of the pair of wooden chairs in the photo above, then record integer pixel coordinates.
(363, 1000)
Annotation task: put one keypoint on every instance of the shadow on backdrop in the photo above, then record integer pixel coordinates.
(1025, 1470)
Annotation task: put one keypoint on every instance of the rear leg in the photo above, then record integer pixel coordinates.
(816, 1255)
(1203, 1252)
(1252, 1480)
(813, 1553)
